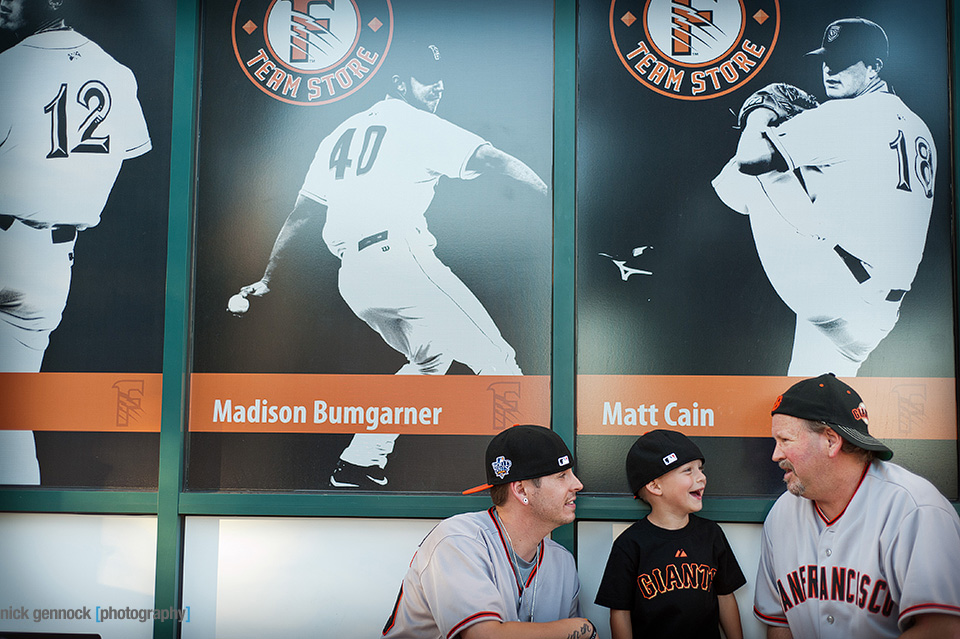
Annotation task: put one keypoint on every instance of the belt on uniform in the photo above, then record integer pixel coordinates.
(59, 233)
(856, 267)
(371, 239)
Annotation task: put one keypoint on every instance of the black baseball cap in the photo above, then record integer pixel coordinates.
(849, 40)
(657, 453)
(523, 452)
(827, 399)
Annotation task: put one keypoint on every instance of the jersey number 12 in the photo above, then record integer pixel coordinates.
(95, 98)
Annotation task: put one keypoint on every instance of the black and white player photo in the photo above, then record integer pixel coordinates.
(84, 157)
(763, 190)
(403, 229)
(830, 256)
(839, 197)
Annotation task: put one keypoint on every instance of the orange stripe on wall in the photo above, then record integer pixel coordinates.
(116, 402)
(739, 406)
(413, 404)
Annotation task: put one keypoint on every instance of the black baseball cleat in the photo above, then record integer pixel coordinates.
(347, 475)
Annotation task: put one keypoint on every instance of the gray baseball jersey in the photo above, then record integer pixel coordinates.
(841, 232)
(462, 574)
(894, 552)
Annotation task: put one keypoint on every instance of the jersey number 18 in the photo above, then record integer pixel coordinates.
(923, 164)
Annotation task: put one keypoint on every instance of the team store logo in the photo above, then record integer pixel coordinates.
(694, 49)
(311, 52)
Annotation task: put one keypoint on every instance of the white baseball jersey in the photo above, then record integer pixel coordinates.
(69, 117)
(462, 574)
(378, 170)
(841, 233)
(376, 174)
(893, 553)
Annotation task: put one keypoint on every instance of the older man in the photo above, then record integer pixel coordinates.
(493, 573)
(858, 547)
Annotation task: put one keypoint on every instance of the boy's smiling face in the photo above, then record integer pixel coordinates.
(682, 488)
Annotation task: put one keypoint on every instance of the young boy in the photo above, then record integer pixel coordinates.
(671, 574)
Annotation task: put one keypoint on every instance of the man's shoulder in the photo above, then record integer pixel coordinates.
(881, 106)
(903, 488)
(465, 523)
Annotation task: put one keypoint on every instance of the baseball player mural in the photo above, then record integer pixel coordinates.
(69, 117)
(370, 184)
(839, 197)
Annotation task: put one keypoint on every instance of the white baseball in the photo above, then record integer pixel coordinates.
(238, 304)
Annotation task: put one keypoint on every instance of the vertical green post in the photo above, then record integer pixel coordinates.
(563, 365)
(176, 324)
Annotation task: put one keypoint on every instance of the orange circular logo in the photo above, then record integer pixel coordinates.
(311, 52)
(694, 49)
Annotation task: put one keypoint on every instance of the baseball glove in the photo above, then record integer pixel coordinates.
(785, 100)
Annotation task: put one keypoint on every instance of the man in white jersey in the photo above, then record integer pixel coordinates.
(858, 548)
(493, 573)
(69, 117)
(839, 198)
(370, 183)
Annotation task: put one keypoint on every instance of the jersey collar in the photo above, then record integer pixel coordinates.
(830, 522)
(521, 586)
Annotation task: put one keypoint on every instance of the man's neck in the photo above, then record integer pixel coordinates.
(842, 489)
(522, 535)
(877, 85)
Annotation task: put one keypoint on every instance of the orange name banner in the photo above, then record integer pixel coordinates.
(739, 406)
(412, 404)
(114, 402)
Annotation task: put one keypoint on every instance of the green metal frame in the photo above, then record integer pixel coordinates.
(171, 505)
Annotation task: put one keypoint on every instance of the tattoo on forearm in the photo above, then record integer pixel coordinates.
(583, 632)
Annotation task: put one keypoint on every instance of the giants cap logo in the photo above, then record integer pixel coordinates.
(669, 459)
(501, 466)
(311, 52)
(860, 414)
(694, 49)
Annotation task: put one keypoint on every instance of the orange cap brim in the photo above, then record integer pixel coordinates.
(476, 489)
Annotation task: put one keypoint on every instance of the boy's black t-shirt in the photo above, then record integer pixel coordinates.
(669, 580)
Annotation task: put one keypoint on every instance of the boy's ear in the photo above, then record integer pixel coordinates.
(654, 488)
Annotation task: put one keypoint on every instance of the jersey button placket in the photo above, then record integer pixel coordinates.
(828, 629)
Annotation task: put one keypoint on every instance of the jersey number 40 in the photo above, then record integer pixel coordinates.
(340, 156)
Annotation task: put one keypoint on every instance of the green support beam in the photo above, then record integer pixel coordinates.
(176, 318)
